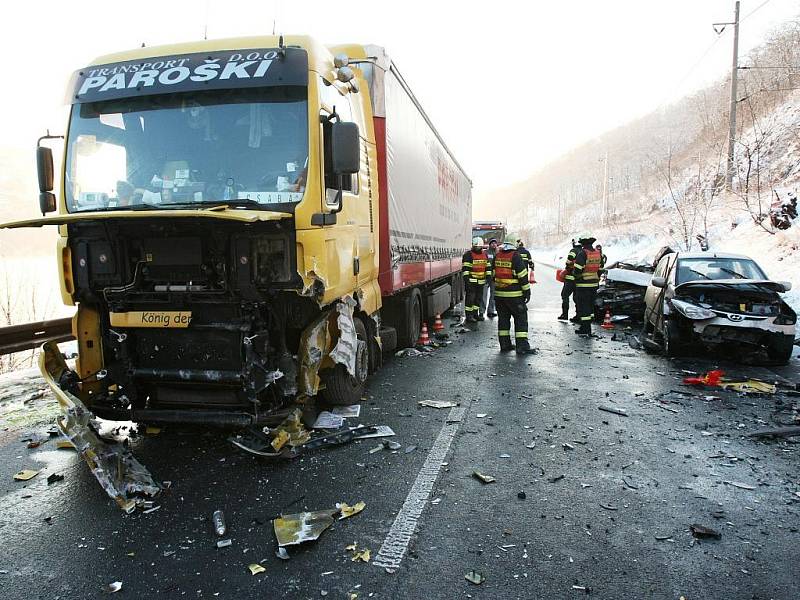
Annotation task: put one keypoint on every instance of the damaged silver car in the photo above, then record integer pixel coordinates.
(718, 300)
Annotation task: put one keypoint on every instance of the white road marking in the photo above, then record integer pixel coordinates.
(395, 545)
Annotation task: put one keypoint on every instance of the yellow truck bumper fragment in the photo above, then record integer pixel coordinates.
(123, 477)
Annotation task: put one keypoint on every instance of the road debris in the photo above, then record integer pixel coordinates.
(702, 532)
(475, 577)
(113, 587)
(480, 415)
(611, 409)
(662, 537)
(556, 478)
(25, 475)
(483, 478)
(218, 520)
(328, 420)
(255, 568)
(438, 403)
(224, 543)
(777, 432)
(123, 477)
(409, 449)
(351, 411)
(346, 510)
(741, 486)
(54, 477)
(748, 386)
(282, 553)
(521, 495)
(362, 555)
(531, 445)
(303, 527)
(608, 506)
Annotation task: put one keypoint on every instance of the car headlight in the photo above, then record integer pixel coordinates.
(692, 311)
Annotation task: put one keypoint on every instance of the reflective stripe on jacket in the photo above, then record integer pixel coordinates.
(587, 267)
(475, 266)
(510, 275)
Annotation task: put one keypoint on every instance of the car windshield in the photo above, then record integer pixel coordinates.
(699, 269)
(168, 151)
(488, 234)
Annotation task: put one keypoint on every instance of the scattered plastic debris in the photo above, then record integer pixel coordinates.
(480, 415)
(475, 577)
(702, 532)
(611, 409)
(255, 568)
(328, 420)
(113, 587)
(741, 486)
(346, 510)
(438, 403)
(392, 445)
(522, 495)
(483, 478)
(224, 543)
(747, 386)
(54, 477)
(409, 449)
(302, 527)
(362, 555)
(282, 553)
(348, 412)
(25, 475)
(531, 445)
(556, 478)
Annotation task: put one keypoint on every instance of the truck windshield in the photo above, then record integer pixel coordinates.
(245, 145)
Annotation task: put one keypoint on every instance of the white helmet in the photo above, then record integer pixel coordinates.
(477, 242)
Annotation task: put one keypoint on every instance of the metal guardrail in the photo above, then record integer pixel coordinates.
(16, 338)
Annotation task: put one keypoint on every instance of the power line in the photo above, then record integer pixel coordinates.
(756, 9)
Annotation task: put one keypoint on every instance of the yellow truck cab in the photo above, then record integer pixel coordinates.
(244, 223)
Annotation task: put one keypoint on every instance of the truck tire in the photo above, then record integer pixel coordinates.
(779, 349)
(341, 388)
(410, 325)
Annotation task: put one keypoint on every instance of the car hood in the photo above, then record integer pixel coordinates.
(743, 284)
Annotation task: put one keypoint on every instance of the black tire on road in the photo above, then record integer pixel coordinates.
(780, 349)
(341, 388)
(409, 328)
(671, 339)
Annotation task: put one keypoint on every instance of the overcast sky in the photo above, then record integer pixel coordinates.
(509, 84)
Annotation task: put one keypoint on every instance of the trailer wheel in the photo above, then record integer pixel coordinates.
(341, 388)
(410, 326)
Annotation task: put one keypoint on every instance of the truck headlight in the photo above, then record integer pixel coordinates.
(692, 311)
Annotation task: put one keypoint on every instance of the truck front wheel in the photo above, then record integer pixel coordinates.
(341, 388)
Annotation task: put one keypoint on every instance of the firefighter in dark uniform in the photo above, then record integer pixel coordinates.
(475, 267)
(512, 291)
(569, 283)
(526, 255)
(587, 277)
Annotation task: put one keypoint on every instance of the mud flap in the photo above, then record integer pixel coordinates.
(330, 337)
(123, 477)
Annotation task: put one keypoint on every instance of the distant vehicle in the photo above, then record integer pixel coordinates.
(488, 230)
(718, 299)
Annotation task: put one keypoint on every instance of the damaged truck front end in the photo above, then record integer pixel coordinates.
(744, 315)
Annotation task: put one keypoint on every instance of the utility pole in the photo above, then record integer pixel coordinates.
(734, 81)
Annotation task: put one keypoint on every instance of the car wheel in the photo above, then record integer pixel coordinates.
(780, 349)
(671, 339)
(341, 388)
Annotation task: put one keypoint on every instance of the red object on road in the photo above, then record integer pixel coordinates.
(710, 378)
(437, 324)
(560, 275)
(424, 340)
(607, 324)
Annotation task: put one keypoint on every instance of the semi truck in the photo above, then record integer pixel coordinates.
(245, 224)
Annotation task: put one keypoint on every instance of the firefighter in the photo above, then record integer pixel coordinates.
(487, 298)
(568, 288)
(512, 291)
(525, 254)
(475, 267)
(587, 277)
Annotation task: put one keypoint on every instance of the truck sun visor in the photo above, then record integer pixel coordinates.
(190, 72)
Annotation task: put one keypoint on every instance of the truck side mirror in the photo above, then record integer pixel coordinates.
(345, 148)
(659, 282)
(44, 168)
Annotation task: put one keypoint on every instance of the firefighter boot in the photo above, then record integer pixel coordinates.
(523, 347)
(563, 317)
(585, 328)
(505, 344)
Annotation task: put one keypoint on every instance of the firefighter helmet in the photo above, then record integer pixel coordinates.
(586, 237)
(477, 242)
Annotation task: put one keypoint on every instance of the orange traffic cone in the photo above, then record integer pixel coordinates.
(437, 324)
(424, 340)
(607, 324)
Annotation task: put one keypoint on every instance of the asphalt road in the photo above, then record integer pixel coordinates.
(608, 499)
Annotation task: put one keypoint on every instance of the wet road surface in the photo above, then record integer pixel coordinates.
(585, 501)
